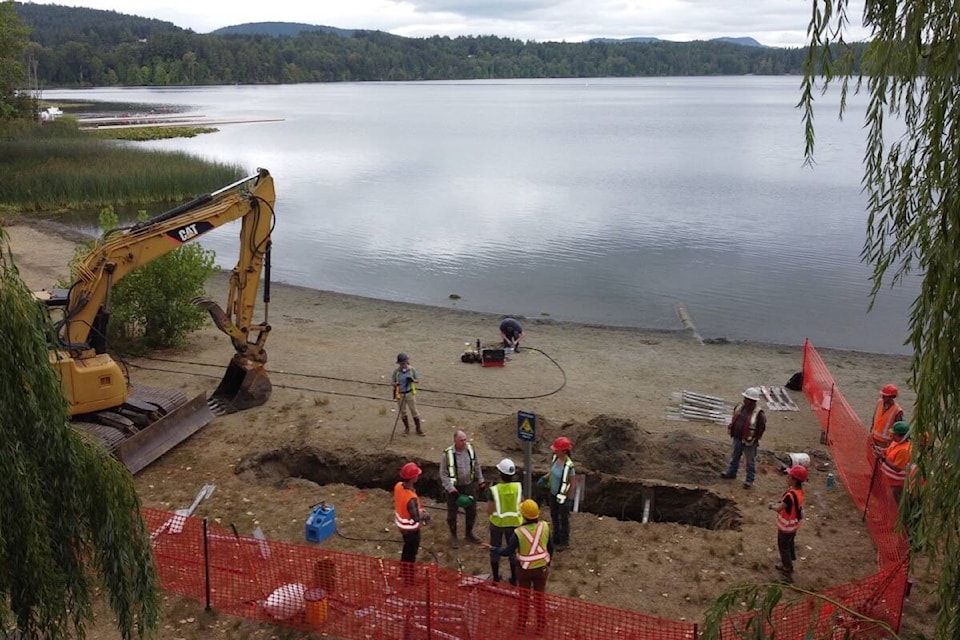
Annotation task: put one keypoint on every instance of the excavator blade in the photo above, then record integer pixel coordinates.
(244, 385)
(151, 442)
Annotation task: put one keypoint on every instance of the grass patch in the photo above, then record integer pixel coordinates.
(143, 134)
(57, 167)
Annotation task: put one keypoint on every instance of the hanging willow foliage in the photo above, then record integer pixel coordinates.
(911, 70)
(69, 515)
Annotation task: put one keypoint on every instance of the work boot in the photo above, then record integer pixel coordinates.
(747, 485)
(727, 476)
(472, 538)
(406, 424)
(454, 541)
(416, 421)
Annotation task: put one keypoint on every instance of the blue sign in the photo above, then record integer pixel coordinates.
(526, 426)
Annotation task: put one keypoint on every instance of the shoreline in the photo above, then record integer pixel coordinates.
(687, 329)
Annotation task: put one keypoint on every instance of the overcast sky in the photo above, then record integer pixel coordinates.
(778, 23)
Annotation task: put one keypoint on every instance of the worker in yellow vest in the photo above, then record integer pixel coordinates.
(895, 460)
(503, 507)
(532, 544)
(887, 414)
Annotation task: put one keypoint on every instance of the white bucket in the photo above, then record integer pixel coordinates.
(801, 459)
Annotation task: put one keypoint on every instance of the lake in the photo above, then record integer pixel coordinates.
(605, 201)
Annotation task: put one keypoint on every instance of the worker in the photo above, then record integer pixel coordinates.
(895, 459)
(887, 414)
(745, 429)
(511, 332)
(405, 380)
(408, 516)
(789, 514)
(532, 545)
(560, 480)
(461, 476)
(503, 507)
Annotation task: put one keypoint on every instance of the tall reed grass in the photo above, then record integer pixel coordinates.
(52, 168)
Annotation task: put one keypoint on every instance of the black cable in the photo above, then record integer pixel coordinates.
(383, 384)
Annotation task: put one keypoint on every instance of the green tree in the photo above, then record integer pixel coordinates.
(13, 42)
(70, 520)
(911, 69)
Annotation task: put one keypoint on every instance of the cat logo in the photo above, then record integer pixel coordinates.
(188, 232)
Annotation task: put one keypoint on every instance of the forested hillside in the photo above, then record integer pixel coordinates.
(86, 47)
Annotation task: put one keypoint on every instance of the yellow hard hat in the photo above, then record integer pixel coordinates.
(529, 509)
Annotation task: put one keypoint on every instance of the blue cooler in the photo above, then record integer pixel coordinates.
(322, 523)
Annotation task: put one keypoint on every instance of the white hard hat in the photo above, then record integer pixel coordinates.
(752, 393)
(507, 467)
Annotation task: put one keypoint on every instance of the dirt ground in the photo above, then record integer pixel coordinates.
(608, 389)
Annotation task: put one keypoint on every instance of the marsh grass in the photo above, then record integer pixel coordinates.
(57, 167)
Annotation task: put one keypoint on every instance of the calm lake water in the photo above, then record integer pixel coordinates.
(602, 201)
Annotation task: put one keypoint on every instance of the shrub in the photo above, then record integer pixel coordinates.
(151, 307)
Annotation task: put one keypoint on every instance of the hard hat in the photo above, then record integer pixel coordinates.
(463, 500)
(410, 471)
(751, 393)
(507, 467)
(900, 428)
(889, 390)
(402, 357)
(798, 472)
(529, 509)
(561, 444)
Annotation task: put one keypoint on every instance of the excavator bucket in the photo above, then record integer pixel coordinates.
(244, 385)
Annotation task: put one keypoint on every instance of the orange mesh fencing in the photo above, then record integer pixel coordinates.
(359, 597)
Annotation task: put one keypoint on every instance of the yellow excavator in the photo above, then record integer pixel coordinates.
(139, 424)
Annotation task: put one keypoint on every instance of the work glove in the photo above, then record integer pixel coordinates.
(425, 517)
(483, 486)
(542, 482)
(453, 492)
(561, 499)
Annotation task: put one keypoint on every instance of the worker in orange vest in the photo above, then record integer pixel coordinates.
(533, 546)
(789, 514)
(408, 516)
(895, 460)
(887, 413)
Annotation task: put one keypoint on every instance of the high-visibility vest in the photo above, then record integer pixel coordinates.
(401, 515)
(788, 518)
(452, 463)
(749, 430)
(400, 376)
(565, 477)
(883, 421)
(896, 459)
(506, 505)
(532, 545)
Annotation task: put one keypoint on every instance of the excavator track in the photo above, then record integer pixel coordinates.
(150, 423)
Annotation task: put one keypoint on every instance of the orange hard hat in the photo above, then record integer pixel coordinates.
(410, 471)
(889, 390)
(561, 444)
(798, 471)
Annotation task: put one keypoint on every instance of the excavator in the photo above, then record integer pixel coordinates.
(140, 424)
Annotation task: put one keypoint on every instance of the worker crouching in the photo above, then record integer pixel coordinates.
(789, 514)
(532, 545)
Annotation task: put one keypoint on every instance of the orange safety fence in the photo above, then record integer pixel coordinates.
(358, 597)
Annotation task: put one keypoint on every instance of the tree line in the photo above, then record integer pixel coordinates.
(72, 47)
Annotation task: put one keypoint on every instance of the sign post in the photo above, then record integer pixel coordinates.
(527, 432)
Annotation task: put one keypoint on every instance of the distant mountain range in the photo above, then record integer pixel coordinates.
(289, 29)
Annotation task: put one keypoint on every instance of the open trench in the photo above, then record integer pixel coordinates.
(604, 494)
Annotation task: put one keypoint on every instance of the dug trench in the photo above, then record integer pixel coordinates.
(626, 473)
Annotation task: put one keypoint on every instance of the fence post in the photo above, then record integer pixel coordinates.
(430, 577)
(206, 565)
(825, 435)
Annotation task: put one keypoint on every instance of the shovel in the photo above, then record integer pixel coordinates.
(180, 515)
